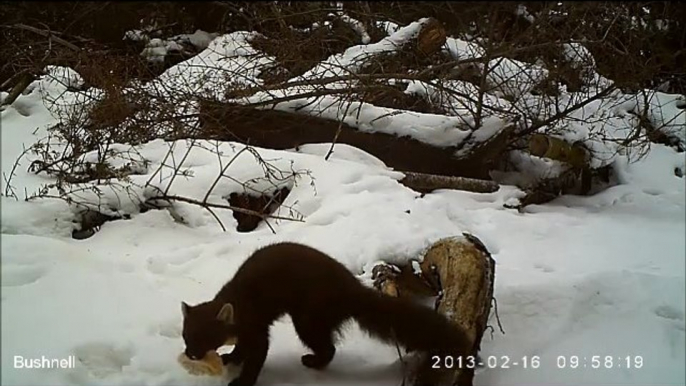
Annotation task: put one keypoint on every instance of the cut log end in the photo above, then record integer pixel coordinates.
(432, 37)
(466, 272)
(461, 271)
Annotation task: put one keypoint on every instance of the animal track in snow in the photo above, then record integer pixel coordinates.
(368, 183)
(159, 263)
(102, 359)
(544, 268)
(14, 276)
(326, 218)
(168, 329)
(352, 178)
(653, 192)
(669, 312)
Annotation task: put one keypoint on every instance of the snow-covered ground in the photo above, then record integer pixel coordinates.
(585, 277)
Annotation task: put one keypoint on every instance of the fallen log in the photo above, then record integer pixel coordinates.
(578, 179)
(542, 145)
(23, 82)
(281, 130)
(426, 183)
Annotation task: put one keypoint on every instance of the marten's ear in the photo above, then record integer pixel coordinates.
(225, 315)
(185, 308)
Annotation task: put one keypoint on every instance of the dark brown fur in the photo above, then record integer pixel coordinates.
(319, 294)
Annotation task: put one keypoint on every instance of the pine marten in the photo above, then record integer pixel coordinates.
(319, 294)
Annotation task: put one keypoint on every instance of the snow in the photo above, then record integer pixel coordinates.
(434, 129)
(227, 57)
(460, 98)
(578, 55)
(157, 48)
(353, 58)
(512, 77)
(524, 13)
(199, 39)
(505, 76)
(586, 276)
(666, 112)
(358, 27)
(463, 50)
(388, 27)
(64, 75)
(135, 35)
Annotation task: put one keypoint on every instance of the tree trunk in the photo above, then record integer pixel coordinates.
(465, 271)
(461, 272)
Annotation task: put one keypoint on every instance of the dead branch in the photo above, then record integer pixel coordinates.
(532, 129)
(13, 79)
(45, 33)
(221, 206)
(24, 81)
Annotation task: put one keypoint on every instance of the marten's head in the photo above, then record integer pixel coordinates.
(206, 327)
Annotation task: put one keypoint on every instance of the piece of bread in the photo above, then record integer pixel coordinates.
(211, 364)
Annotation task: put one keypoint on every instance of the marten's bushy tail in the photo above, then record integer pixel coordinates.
(411, 325)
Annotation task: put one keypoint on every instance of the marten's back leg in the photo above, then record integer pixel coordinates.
(317, 333)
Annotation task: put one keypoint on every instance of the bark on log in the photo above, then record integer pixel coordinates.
(426, 183)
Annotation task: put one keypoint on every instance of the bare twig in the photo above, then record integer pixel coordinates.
(45, 33)
(222, 206)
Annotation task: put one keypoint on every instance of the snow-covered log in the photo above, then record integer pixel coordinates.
(276, 129)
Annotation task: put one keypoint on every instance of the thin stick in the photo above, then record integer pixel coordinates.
(221, 206)
(44, 33)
